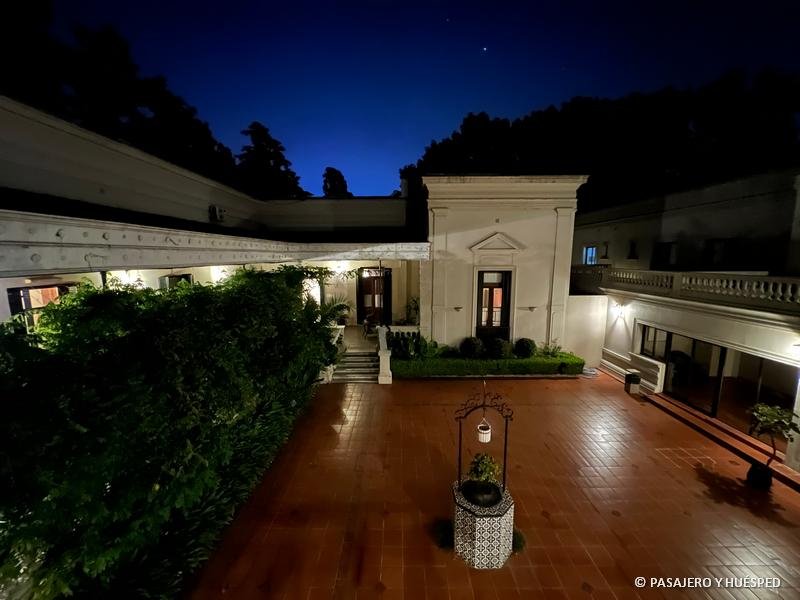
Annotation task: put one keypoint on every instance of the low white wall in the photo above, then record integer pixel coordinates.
(585, 327)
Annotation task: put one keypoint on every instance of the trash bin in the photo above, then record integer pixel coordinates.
(632, 381)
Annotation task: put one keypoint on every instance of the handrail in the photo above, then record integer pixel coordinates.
(776, 294)
(384, 357)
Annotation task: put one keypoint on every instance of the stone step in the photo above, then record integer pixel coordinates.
(356, 370)
(358, 359)
(355, 379)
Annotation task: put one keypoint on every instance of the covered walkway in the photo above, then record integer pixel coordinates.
(607, 489)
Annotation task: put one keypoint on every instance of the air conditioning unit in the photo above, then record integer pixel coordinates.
(216, 214)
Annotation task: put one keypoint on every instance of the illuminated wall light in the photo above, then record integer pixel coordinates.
(619, 310)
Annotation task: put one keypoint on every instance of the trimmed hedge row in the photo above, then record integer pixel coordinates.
(135, 422)
(561, 364)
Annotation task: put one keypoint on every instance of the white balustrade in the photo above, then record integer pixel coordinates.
(780, 294)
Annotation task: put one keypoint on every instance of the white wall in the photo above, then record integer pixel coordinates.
(586, 327)
(520, 224)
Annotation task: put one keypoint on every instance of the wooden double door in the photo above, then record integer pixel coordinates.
(493, 317)
(374, 295)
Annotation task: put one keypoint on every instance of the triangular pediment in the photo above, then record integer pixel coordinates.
(497, 242)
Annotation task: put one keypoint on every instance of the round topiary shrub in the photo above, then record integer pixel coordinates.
(471, 347)
(524, 347)
(498, 348)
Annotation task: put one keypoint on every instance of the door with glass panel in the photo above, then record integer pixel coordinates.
(374, 296)
(494, 304)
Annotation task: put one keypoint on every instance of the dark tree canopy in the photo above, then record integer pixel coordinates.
(334, 184)
(263, 171)
(640, 145)
(94, 82)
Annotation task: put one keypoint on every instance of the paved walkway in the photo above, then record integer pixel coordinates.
(607, 489)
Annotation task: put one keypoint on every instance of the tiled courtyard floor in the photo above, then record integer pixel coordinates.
(607, 489)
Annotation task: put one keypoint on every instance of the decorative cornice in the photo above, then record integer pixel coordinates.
(553, 191)
(32, 244)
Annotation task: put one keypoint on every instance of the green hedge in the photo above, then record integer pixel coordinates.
(561, 364)
(135, 422)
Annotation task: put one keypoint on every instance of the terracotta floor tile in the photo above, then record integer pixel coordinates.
(607, 489)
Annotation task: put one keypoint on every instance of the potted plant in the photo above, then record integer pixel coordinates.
(481, 487)
(771, 421)
(336, 309)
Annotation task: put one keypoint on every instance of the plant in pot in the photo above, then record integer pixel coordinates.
(336, 309)
(481, 487)
(770, 421)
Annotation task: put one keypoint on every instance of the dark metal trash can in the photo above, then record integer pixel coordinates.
(632, 382)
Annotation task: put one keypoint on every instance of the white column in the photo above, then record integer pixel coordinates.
(562, 258)
(793, 448)
(436, 292)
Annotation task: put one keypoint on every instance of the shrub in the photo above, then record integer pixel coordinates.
(524, 347)
(498, 348)
(549, 349)
(442, 366)
(159, 411)
(410, 345)
(471, 347)
(484, 468)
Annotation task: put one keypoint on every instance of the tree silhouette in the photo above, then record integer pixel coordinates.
(334, 184)
(263, 171)
(640, 145)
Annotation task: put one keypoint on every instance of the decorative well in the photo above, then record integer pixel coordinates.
(484, 522)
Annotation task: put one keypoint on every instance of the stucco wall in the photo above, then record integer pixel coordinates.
(758, 211)
(518, 224)
(585, 327)
(762, 334)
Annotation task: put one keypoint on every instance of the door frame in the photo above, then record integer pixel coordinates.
(471, 326)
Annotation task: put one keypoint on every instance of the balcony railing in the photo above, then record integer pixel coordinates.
(775, 294)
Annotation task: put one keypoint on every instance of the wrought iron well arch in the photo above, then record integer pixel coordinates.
(484, 400)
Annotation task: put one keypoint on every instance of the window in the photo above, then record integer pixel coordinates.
(30, 300)
(654, 343)
(590, 255)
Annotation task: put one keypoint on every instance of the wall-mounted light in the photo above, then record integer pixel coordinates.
(619, 310)
(457, 308)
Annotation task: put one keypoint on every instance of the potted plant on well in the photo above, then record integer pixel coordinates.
(480, 486)
(771, 421)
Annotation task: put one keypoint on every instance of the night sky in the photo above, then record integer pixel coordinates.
(365, 86)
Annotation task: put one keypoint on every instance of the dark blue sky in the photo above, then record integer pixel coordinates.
(365, 86)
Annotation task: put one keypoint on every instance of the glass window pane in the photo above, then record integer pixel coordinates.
(379, 300)
(484, 316)
(490, 277)
(497, 298)
(496, 317)
(368, 301)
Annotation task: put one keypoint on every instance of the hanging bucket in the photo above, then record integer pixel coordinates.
(484, 432)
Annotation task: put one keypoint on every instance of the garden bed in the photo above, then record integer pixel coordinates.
(562, 364)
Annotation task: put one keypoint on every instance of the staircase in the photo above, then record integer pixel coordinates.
(357, 367)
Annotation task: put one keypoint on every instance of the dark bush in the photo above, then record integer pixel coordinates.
(524, 347)
(471, 347)
(136, 421)
(498, 348)
(563, 364)
(407, 345)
